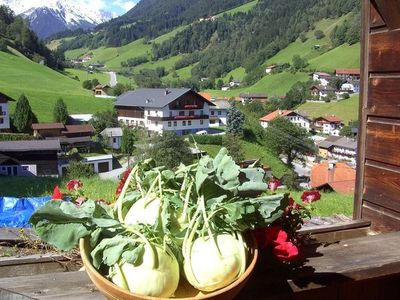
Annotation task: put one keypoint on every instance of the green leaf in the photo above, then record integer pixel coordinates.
(134, 256)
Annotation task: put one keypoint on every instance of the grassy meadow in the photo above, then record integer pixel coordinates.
(43, 86)
(347, 109)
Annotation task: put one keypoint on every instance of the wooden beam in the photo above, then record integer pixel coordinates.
(390, 12)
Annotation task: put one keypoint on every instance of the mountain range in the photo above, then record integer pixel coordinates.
(47, 17)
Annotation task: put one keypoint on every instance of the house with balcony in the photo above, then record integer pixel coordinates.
(339, 148)
(322, 77)
(330, 125)
(179, 109)
(348, 74)
(219, 113)
(250, 97)
(296, 118)
(320, 91)
(4, 112)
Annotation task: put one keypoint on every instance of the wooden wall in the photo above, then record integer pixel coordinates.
(378, 178)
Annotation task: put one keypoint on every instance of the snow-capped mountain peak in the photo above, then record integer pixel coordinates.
(50, 16)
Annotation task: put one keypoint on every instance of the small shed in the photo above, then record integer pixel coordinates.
(101, 90)
(114, 137)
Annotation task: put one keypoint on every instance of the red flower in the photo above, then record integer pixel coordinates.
(74, 185)
(272, 235)
(57, 195)
(79, 201)
(310, 196)
(286, 251)
(273, 184)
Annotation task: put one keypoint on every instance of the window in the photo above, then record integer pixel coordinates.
(170, 113)
(156, 123)
(25, 168)
(1, 120)
(148, 112)
(201, 113)
(169, 124)
(175, 123)
(114, 140)
(191, 112)
(181, 113)
(201, 122)
(183, 123)
(212, 112)
(189, 123)
(219, 113)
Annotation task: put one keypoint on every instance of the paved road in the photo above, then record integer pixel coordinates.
(113, 78)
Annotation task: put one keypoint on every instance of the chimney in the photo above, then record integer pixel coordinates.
(166, 92)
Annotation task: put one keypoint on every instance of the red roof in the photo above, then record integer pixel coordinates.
(78, 129)
(275, 114)
(42, 126)
(205, 95)
(341, 177)
(329, 119)
(347, 71)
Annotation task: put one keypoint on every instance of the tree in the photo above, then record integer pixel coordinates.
(219, 83)
(235, 121)
(285, 138)
(170, 150)
(234, 146)
(346, 131)
(337, 82)
(87, 84)
(60, 112)
(303, 37)
(319, 34)
(298, 63)
(128, 141)
(23, 116)
(103, 119)
(95, 82)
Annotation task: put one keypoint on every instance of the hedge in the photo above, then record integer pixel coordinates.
(15, 137)
(208, 139)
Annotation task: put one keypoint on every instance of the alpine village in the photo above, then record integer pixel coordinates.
(108, 104)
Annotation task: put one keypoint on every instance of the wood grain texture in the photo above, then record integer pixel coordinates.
(375, 18)
(384, 52)
(383, 141)
(383, 97)
(382, 186)
(382, 219)
(390, 12)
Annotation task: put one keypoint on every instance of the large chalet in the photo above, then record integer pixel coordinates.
(179, 109)
(294, 117)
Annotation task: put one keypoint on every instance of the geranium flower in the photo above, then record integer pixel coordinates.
(294, 205)
(57, 195)
(310, 196)
(286, 251)
(272, 235)
(273, 184)
(74, 185)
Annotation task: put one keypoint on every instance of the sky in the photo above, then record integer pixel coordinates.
(116, 7)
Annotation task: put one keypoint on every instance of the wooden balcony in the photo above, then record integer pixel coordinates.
(178, 118)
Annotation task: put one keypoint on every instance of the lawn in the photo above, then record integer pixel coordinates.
(83, 75)
(94, 188)
(347, 109)
(43, 86)
(238, 73)
(275, 84)
(242, 8)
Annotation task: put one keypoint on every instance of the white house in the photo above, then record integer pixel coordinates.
(235, 83)
(4, 112)
(350, 86)
(269, 69)
(219, 112)
(328, 125)
(114, 137)
(179, 109)
(296, 118)
(322, 78)
(320, 91)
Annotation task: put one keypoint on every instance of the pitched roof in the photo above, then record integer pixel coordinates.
(328, 142)
(275, 114)
(153, 97)
(206, 95)
(346, 142)
(40, 126)
(340, 176)
(101, 86)
(115, 132)
(329, 119)
(86, 128)
(323, 74)
(31, 145)
(347, 71)
(221, 104)
(4, 98)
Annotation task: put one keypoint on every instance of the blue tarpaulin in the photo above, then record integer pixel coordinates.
(15, 212)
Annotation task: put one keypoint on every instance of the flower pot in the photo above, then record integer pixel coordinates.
(185, 291)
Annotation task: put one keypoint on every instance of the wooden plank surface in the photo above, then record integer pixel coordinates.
(376, 19)
(382, 185)
(384, 52)
(383, 140)
(67, 285)
(382, 219)
(390, 12)
(383, 92)
(10, 234)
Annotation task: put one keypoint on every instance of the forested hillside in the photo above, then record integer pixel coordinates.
(15, 33)
(149, 19)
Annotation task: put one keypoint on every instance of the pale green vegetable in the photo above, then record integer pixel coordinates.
(156, 276)
(145, 210)
(213, 264)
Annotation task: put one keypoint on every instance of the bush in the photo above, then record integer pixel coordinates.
(208, 139)
(319, 34)
(15, 137)
(77, 169)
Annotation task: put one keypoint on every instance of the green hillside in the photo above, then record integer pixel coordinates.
(272, 85)
(103, 78)
(347, 109)
(242, 8)
(43, 86)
